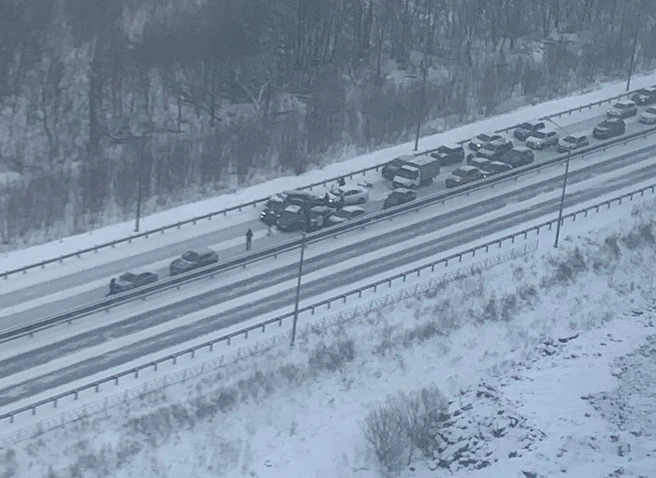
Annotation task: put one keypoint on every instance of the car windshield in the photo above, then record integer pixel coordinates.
(570, 139)
(651, 111)
(275, 204)
(190, 256)
(460, 172)
(528, 126)
(607, 124)
(496, 168)
(407, 173)
(127, 277)
(539, 134)
(397, 162)
(490, 147)
(342, 213)
(619, 106)
(338, 191)
(483, 138)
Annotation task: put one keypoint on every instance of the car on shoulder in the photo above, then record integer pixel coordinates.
(622, 110)
(463, 175)
(495, 167)
(609, 128)
(317, 218)
(542, 139)
(345, 214)
(399, 196)
(518, 157)
(495, 150)
(191, 260)
(449, 154)
(645, 96)
(524, 130)
(648, 116)
(350, 194)
(478, 162)
(129, 281)
(571, 142)
(272, 209)
(391, 168)
(292, 218)
(477, 142)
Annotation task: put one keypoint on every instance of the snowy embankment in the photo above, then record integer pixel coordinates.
(547, 369)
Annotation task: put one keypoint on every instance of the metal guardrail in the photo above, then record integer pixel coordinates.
(241, 261)
(223, 212)
(277, 321)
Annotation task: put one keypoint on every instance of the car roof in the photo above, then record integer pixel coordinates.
(521, 149)
(352, 208)
(293, 208)
(498, 163)
(452, 146)
(467, 168)
(320, 209)
(624, 103)
(531, 122)
(406, 157)
(401, 190)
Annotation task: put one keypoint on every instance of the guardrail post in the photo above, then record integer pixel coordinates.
(404, 277)
(75, 394)
(512, 239)
(525, 234)
(246, 334)
(33, 411)
(116, 380)
(389, 283)
(54, 403)
(375, 287)
(154, 366)
(344, 296)
(487, 247)
(97, 387)
(136, 373)
(459, 257)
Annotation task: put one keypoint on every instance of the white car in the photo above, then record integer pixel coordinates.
(622, 110)
(648, 116)
(570, 143)
(542, 139)
(351, 194)
(345, 214)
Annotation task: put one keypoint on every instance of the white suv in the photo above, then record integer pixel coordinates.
(542, 138)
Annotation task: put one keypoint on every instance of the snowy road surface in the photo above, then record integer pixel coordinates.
(28, 373)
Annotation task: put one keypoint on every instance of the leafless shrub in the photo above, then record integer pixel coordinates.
(332, 357)
(388, 440)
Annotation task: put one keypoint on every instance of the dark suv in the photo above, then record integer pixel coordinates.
(303, 199)
(518, 157)
(449, 154)
(272, 209)
(609, 128)
(292, 218)
(193, 260)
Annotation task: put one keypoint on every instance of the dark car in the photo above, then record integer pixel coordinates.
(449, 154)
(391, 168)
(495, 167)
(518, 157)
(317, 218)
(609, 128)
(463, 175)
(304, 199)
(129, 281)
(645, 96)
(525, 130)
(399, 196)
(193, 260)
(495, 150)
(482, 139)
(292, 218)
(272, 209)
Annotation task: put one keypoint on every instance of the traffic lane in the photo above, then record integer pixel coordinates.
(266, 279)
(142, 261)
(168, 339)
(83, 299)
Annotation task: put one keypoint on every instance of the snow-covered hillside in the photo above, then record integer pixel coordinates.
(547, 361)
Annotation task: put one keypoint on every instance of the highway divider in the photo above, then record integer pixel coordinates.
(341, 298)
(255, 203)
(246, 259)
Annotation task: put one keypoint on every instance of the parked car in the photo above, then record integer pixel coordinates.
(609, 128)
(570, 143)
(495, 150)
(482, 139)
(645, 96)
(292, 218)
(304, 199)
(350, 194)
(345, 214)
(391, 168)
(463, 175)
(495, 167)
(129, 281)
(478, 162)
(622, 110)
(272, 209)
(518, 157)
(542, 139)
(399, 196)
(450, 154)
(524, 130)
(648, 116)
(193, 260)
(317, 218)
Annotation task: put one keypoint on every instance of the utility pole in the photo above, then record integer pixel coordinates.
(422, 100)
(141, 153)
(298, 291)
(633, 53)
(562, 199)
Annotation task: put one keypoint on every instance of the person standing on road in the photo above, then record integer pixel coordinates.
(112, 286)
(341, 183)
(249, 239)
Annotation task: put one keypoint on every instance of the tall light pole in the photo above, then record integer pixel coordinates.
(562, 196)
(633, 49)
(298, 291)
